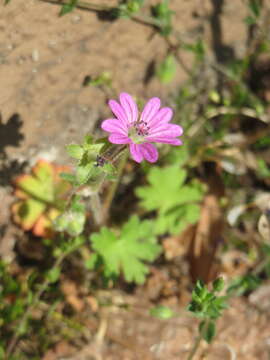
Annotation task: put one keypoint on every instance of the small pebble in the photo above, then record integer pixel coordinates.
(35, 55)
(52, 43)
(75, 19)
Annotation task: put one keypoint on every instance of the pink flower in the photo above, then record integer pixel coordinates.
(153, 126)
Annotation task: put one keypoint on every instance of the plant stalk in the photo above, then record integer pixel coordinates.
(195, 347)
(28, 311)
(114, 186)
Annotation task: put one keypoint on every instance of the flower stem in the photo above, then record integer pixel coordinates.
(96, 208)
(195, 347)
(197, 341)
(82, 5)
(114, 186)
(85, 5)
(28, 311)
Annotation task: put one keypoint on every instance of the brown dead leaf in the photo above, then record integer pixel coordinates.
(205, 241)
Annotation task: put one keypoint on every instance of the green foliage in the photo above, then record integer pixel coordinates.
(174, 201)
(263, 169)
(73, 219)
(266, 251)
(53, 274)
(127, 251)
(163, 14)
(208, 306)
(129, 8)
(88, 171)
(243, 284)
(205, 304)
(197, 48)
(255, 11)
(68, 245)
(218, 284)
(262, 142)
(166, 70)
(12, 305)
(69, 7)
(207, 330)
(104, 79)
(162, 312)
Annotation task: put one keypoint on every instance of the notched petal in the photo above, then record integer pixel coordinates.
(149, 152)
(163, 116)
(129, 106)
(114, 126)
(150, 110)
(117, 138)
(118, 111)
(135, 151)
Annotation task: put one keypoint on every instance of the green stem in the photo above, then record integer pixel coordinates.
(195, 348)
(114, 186)
(83, 5)
(96, 208)
(16, 336)
(197, 343)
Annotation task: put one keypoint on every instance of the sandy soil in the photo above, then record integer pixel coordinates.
(45, 59)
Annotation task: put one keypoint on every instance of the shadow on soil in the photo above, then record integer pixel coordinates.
(10, 135)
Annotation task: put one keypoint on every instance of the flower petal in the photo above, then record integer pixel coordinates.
(149, 152)
(150, 110)
(165, 140)
(118, 111)
(163, 116)
(135, 151)
(114, 126)
(130, 107)
(168, 130)
(117, 138)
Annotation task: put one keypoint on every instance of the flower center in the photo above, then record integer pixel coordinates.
(137, 131)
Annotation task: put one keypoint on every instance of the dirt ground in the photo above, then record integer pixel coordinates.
(242, 333)
(44, 60)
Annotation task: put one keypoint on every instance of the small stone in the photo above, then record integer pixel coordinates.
(52, 43)
(35, 55)
(75, 19)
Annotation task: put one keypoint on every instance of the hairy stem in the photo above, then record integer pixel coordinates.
(84, 5)
(16, 336)
(96, 208)
(195, 348)
(197, 342)
(114, 186)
